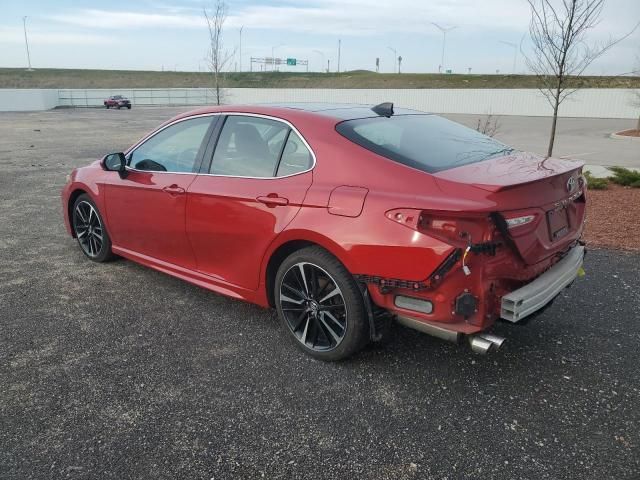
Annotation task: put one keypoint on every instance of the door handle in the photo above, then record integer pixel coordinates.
(174, 190)
(273, 200)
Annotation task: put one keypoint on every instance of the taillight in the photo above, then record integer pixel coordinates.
(408, 217)
(519, 221)
(450, 227)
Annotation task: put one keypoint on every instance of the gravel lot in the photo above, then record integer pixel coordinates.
(117, 371)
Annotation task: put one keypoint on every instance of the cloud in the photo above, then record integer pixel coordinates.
(340, 17)
(107, 19)
(336, 17)
(40, 37)
(363, 17)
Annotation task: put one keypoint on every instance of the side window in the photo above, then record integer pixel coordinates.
(296, 157)
(174, 149)
(248, 147)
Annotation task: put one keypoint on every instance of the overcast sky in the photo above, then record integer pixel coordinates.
(152, 34)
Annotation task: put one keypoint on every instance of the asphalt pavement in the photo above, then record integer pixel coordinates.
(115, 371)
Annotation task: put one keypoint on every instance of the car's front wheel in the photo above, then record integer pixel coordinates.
(320, 305)
(90, 231)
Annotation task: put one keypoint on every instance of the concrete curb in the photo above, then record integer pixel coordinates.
(625, 137)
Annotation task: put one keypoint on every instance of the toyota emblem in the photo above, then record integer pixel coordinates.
(571, 184)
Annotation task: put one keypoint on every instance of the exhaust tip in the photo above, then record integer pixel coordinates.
(495, 339)
(485, 342)
(480, 345)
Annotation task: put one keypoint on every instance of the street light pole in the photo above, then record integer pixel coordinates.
(240, 47)
(26, 42)
(444, 31)
(395, 57)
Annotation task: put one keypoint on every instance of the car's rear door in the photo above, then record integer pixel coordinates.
(257, 179)
(146, 210)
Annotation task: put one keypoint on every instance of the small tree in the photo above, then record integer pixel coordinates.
(217, 56)
(489, 125)
(558, 34)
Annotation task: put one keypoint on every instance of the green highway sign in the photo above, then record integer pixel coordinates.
(291, 61)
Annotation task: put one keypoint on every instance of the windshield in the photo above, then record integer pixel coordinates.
(426, 142)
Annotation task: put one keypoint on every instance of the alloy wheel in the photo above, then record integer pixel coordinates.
(313, 306)
(88, 228)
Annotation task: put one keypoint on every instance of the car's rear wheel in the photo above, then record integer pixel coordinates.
(106, 105)
(320, 305)
(90, 231)
(128, 107)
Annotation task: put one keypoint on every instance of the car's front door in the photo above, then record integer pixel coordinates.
(146, 209)
(256, 183)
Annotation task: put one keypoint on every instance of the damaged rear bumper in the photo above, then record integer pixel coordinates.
(532, 297)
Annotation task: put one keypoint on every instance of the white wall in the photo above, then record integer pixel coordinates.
(20, 99)
(590, 103)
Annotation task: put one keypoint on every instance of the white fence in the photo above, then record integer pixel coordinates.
(591, 103)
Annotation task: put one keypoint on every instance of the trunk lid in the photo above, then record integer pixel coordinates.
(547, 194)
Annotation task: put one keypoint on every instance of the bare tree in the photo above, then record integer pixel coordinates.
(558, 31)
(217, 56)
(489, 125)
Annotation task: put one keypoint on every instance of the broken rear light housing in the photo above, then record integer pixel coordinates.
(458, 230)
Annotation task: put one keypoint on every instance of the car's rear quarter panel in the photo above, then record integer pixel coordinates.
(368, 243)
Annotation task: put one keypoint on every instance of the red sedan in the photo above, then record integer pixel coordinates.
(344, 218)
(117, 101)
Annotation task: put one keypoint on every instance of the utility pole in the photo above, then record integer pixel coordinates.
(395, 58)
(26, 42)
(399, 63)
(515, 54)
(328, 65)
(339, 45)
(444, 42)
(240, 47)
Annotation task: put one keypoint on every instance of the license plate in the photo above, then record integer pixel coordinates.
(558, 222)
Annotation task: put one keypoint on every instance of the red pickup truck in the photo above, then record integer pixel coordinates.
(117, 101)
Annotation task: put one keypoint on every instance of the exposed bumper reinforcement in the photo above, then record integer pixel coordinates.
(535, 295)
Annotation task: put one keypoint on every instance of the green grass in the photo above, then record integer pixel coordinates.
(625, 177)
(68, 78)
(595, 183)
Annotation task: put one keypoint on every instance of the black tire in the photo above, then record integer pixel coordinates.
(118, 107)
(128, 107)
(106, 105)
(89, 230)
(328, 323)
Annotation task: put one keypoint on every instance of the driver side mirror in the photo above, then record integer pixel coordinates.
(115, 162)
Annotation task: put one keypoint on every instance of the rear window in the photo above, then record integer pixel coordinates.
(426, 142)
